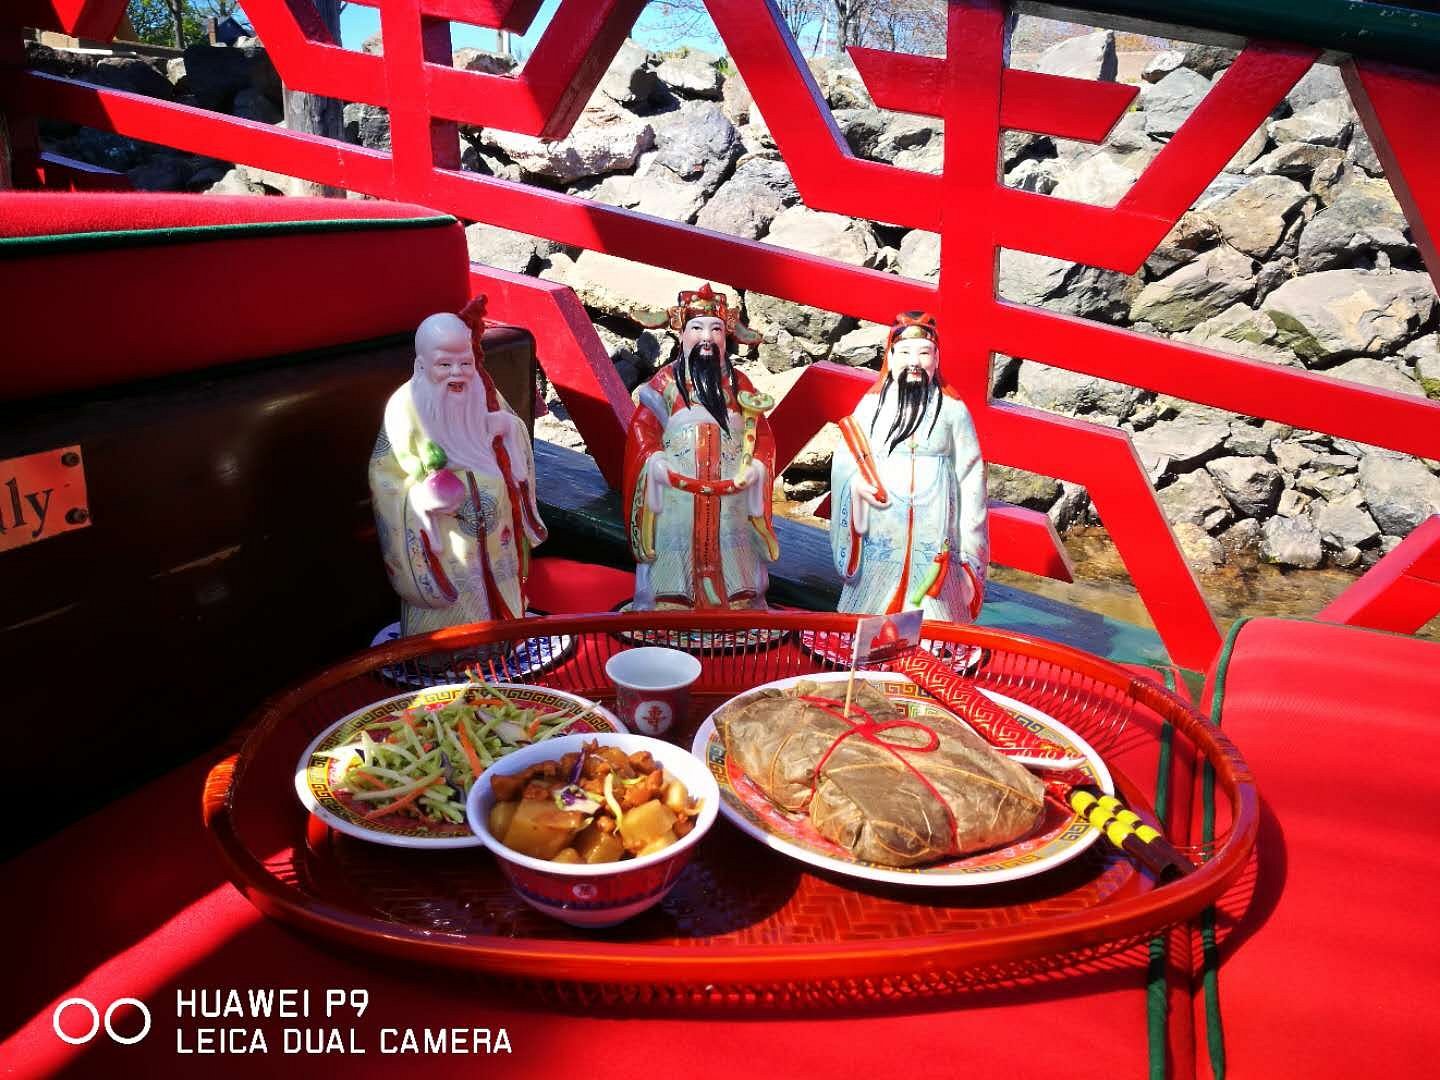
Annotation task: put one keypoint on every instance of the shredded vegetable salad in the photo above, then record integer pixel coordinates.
(422, 762)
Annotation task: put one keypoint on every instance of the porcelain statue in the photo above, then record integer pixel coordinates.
(452, 479)
(908, 520)
(699, 467)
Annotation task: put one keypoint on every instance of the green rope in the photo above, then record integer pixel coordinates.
(1157, 996)
(1209, 950)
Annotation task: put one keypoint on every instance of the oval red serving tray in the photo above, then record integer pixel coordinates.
(742, 918)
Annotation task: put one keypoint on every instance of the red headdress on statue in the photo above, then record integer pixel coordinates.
(909, 325)
(704, 302)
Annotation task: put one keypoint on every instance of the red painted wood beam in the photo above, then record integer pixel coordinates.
(95, 19)
(60, 173)
(1030, 100)
(1025, 539)
(1104, 461)
(1305, 399)
(1123, 236)
(827, 174)
(1401, 592)
(1390, 101)
(571, 354)
(184, 127)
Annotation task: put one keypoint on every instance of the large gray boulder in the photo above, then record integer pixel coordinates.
(827, 235)
(1326, 122)
(1100, 179)
(132, 74)
(902, 132)
(1362, 151)
(1252, 484)
(1021, 488)
(767, 314)
(516, 252)
(1180, 444)
(1195, 498)
(606, 139)
(1382, 374)
(365, 125)
(1253, 218)
(1289, 541)
(1090, 56)
(1400, 492)
(251, 104)
(1337, 314)
(1162, 64)
(694, 74)
(630, 80)
(1071, 393)
(1424, 353)
(659, 195)
(1344, 522)
(1208, 60)
(1296, 160)
(1063, 286)
(1192, 234)
(861, 346)
(920, 255)
(747, 203)
(617, 287)
(1197, 291)
(1032, 175)
(1170, 101)
(1321, 83)
(482, 61)
(736, 101)
(214, 74)
(1360, 222)
(695, 144)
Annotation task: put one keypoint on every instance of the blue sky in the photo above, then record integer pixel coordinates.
(358, 23)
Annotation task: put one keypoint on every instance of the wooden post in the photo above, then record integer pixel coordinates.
(317, 115)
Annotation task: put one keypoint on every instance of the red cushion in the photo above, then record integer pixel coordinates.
(1331, 970)
(566, 587)
(102, 288)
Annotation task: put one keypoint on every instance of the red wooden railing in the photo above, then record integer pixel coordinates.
(966, 204)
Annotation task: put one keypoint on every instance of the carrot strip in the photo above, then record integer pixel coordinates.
(403, 801)
(470, 755)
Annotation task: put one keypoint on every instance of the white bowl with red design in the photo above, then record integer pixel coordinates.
(597, 894)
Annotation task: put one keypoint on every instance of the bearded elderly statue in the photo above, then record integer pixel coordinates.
(699, 465)
(452, 479)
(908, 524)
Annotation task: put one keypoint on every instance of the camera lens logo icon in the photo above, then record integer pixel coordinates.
(88, 1006)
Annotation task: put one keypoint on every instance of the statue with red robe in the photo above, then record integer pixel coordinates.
(699, 468)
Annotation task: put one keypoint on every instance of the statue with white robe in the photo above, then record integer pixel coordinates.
(908, 520)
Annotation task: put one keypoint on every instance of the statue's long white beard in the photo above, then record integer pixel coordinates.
(458, 422)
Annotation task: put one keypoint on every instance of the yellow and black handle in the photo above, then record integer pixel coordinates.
(1124, 829)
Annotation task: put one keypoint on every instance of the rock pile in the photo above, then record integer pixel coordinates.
(1297, 254)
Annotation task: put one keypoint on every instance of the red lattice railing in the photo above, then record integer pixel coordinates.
(975, 215)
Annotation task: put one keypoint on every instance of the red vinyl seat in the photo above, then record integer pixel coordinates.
(1328, 954)
(97, 289)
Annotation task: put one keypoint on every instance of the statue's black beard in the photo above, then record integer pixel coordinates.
(706, 372)
(914, 396)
